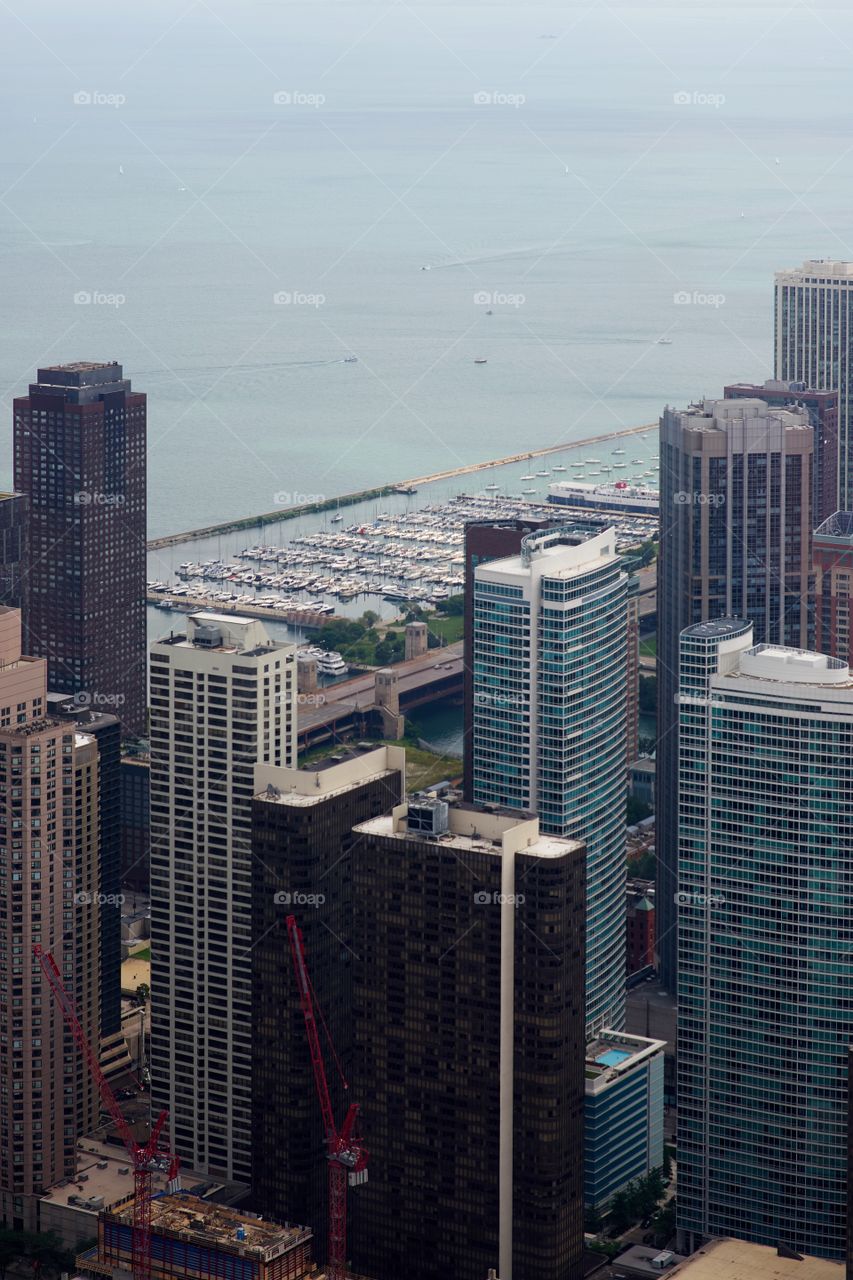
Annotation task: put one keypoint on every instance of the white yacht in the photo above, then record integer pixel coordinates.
(332, 664)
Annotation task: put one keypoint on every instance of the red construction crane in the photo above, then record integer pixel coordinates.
(346, 1156)
(145, 1160)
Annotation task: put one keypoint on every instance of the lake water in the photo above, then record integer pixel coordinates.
(581, 198)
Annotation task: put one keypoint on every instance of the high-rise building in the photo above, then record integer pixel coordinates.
(765, 984)
(484, 540)
(135, 808)
(106, 731)
(303, 846)
(735, 486)
(223, 699)
(79, 451)
(549, 658)
(13, 548)
(623, 1133)
(468, 1019)
(814, 340)
(822, 408)
(832, 551)
(49, 895)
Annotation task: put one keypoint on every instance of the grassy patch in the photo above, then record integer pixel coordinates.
(450, 629)
(425, 768)
(144, 954)
(649, 647)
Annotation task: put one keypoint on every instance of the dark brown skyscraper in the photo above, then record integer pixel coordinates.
(79, 447)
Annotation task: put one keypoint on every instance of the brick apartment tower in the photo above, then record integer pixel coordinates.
(832, 550)
(49, 895)
(79, 453)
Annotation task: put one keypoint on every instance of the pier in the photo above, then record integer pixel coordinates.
(400, 486)
(307, 619)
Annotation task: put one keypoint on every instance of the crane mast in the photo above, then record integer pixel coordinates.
(144, 1159)
(347, 1158)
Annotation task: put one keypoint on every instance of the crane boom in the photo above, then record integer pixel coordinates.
(144, 1159)
(347, 1158)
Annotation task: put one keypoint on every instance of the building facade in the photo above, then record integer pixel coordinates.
(13, 548)
(303, 846)
(833, 565)
(548, 730)
(48, 896)
(623, 1132)
(468, 1016)
(822, 408)
(813, 341)
(223, 699)
(736, 525)
(765, 988)
(106, 731)
(79, 455)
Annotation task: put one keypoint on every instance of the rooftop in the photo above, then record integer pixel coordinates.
(474, 829)
(99, 1182)
(330, 776)
(216, 1223)
(741, 1260)
(821, 267)
(612, 1054)
(838, 525)
(797, 666)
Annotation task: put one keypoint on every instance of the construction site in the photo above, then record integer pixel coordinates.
(198, 1240)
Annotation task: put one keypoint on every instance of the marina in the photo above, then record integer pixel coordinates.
(387, 564)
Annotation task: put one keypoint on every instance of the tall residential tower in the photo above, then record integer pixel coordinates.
(79, 451)
(223, 698)
(814, 341)
(736, 524)
(549, 653)
(765, 984)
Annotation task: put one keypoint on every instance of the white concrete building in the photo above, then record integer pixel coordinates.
(223, 699)
(814, 342)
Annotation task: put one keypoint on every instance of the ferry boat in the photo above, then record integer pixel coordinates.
(332, 664)
(619, 496)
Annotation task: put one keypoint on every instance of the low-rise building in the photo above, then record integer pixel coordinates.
(726, 1259)
(624, 1113)
(639, 926)
(196, 1239)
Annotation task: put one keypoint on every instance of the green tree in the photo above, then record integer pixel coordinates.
(143, 991)
(621, 1215)
(11, 1248)
(454, 606)
(369, 618)
(635, 811)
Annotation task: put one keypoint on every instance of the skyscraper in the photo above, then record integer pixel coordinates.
(765, 985)
(736, 524)
(223, 698)
(822, 408)
(13, 548)
(814, 337)
(106, 731)
(304, 847)
(549, 656)
(468, 1019)
(49, 895)
(79, 450)
(833, 565)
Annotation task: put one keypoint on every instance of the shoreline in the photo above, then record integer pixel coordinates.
(364, 495)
